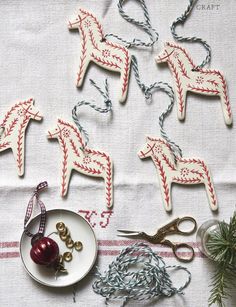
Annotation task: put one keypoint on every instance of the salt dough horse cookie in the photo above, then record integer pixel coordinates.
(185, 171)
(84, 160)
(201, 81)
(95, 48)
(12, 130)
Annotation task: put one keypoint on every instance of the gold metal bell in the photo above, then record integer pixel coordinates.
(69, 243)
(67, 256)
(60, 226)
(65, 234)
(78, 245)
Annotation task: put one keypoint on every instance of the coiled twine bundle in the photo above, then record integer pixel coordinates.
(138, 274)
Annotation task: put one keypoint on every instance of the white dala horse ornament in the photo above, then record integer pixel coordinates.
(185, 171)
(201, 81)
(84, 160)
(12, 130)
(95, 48)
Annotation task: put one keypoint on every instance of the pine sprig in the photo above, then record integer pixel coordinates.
(222, 283)
(222, 247)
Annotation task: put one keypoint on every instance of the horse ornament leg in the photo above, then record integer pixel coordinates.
(165, 187)
(210, 189)
(108, 182)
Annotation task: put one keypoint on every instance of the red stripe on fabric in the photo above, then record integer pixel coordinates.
(108, 252)
(9, 255)
(103, 252)
(9, 244)
(129, 242)
(103, 243)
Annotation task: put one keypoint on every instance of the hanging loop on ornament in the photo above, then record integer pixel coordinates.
(35, 199)
(145, 25)
(176, 150)
(107, 109)
(181, 20)
(148, 90)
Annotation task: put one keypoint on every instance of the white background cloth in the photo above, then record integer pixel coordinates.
(39, 58)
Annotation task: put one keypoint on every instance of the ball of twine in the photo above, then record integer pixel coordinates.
(138, 274)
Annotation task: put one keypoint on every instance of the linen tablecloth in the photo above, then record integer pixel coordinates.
(39, 58)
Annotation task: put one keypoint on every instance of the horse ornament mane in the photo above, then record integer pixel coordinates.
(84, 160)
(96, 48)
(184, 171)
(13, 127)
(188, 78)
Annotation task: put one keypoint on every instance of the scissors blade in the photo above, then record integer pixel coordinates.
(127, 233)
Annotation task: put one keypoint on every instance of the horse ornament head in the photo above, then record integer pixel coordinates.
(57, 131)
(164, 55)
(28, 109)
(153, 147)
(83, 18)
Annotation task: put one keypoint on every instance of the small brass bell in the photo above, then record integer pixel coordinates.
(69, 243)
(63, 237)
(67, 256)
(78, 245)
(65, 234)
(60, 226)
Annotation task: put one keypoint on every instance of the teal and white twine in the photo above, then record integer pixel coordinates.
(181, 20)
(145, 25)
(108, 108)
(176, 150)
(150, 280)
(148, 91)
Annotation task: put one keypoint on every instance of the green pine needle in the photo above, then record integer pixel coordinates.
(222, 247)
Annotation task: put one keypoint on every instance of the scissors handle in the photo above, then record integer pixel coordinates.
(181, 220)
(186, 256)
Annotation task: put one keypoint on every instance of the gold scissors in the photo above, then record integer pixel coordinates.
(169, 229)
